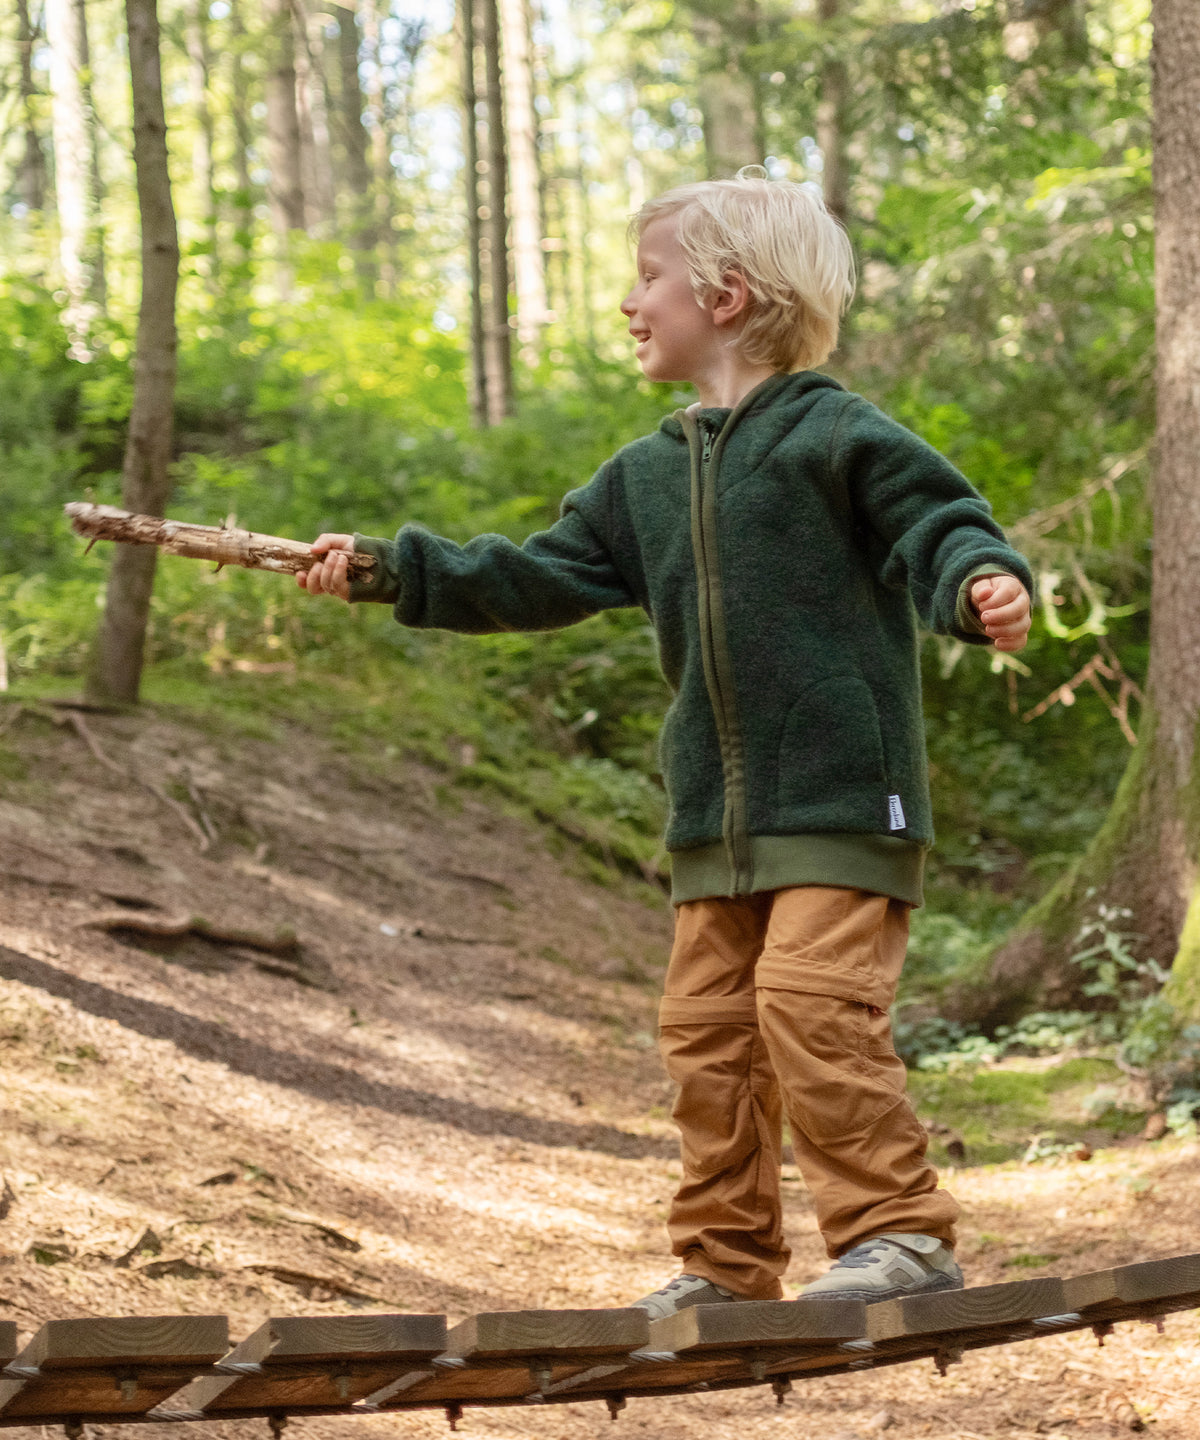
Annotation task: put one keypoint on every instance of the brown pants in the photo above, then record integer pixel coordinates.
(778, 1003)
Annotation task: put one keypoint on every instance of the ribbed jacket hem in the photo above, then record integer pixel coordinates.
(883, 864)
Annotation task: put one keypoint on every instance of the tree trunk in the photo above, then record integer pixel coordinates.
(497, 332)
(239, 106)
(729, 99)
(115, 674)
(467, 26)
(352, 135)
(31, 175)
(831, 115)
(285, 191)
(383, 176)
(1146, 855)
(75, 171)
(199, 66)
(315, 161)
(528, 264)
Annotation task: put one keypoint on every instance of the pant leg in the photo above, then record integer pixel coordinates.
(828, 973)
(725, 1221)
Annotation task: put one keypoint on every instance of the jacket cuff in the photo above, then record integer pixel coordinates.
(383, 583)
(965, 618)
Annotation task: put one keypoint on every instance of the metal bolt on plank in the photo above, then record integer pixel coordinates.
(278, 1423)
(780, 1386)
(949, 1355)
(615, 1403)
(1102, 1331)
(454, 1413)
(74, 1430)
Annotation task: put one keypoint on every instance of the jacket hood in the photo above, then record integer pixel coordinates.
(776, 390)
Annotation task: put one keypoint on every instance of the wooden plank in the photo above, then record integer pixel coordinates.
(980, 1307)
(1162, 1285)
(299, 1363)
(8, 1340)
(759, 1323)
(709, 1346)
(508, 1354)
(109, 1368)
(544, 1332)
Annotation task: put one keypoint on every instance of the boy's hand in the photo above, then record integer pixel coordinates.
(1002, 604)
(329, 575)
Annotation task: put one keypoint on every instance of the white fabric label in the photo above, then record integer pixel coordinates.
(895, 813)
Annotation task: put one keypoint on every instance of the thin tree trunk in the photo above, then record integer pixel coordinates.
(1146, 856)
(381, 163)
(729, 98)
(316, 163)
(528, 263)
(96, 239)
(74, 170)
(831, 115)
(242, 137)
(199, 67)
(354, 141)
(497, 332)
(466, 18)
(31, 176)
(115, 674)
(285, 189)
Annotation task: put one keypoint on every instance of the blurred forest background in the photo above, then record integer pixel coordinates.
(401, 256)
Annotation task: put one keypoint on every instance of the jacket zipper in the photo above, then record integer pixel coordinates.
(718, 670)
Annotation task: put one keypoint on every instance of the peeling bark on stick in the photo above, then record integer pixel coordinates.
(201, 542)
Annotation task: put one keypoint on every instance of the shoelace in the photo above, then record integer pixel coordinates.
(863, 1255)
(682, 1280)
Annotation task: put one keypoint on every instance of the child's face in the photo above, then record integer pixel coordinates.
(676, 337)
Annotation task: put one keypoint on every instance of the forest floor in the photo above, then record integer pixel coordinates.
(448, 1099)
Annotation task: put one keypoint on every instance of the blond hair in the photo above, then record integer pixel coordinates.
(793, 254)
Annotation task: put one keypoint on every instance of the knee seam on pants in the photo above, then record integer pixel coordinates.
(708, 1010)
(844, 1135)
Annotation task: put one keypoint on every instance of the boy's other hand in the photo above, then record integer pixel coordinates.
(329, 575)
(1002, 604)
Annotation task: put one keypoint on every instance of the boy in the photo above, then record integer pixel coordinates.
(783, 535)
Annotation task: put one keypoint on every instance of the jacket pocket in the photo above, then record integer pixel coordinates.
(831, 749)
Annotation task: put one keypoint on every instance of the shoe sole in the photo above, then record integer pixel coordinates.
(897, 1292)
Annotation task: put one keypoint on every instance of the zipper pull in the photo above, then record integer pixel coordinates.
(706, 445)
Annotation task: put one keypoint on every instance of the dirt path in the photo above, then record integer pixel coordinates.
(448, 1101)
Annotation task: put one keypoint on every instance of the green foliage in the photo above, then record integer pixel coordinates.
(1001, 211)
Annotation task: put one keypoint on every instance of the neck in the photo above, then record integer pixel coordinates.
(731, 381)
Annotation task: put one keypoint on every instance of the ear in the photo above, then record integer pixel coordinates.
(732, 300)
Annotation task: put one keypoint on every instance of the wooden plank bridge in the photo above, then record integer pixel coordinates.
(181, 1368)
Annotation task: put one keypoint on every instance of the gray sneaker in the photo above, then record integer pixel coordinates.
(886, 1268)
(681, 1293)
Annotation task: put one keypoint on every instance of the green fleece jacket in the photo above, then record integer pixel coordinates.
(784, 552)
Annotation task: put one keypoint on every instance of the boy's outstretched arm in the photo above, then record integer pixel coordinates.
(329, 574)
(1002, 604)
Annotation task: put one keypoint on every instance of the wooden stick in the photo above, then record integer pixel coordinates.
(201, 542)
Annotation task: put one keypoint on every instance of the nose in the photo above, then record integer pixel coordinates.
(627, 306)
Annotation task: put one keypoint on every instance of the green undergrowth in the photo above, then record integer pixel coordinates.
(1018, 1110)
